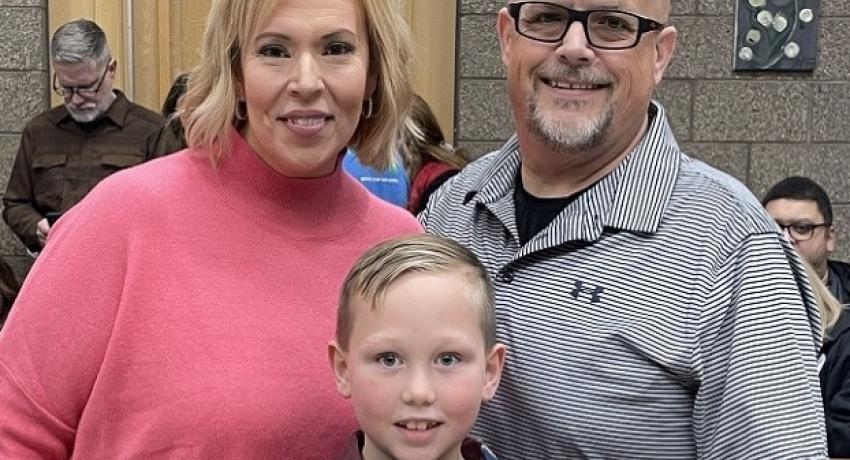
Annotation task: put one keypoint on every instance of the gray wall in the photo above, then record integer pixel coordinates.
(24, 92)
(759, 128)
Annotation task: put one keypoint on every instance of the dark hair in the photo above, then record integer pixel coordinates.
(9, 287)
(426, 142)
(169, 106)
(174, 136)
(801, 188)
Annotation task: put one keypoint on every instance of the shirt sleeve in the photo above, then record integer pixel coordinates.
(758, 342)
(19, 200)
(53, 343)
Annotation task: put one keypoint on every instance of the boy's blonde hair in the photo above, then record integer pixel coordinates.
(209, 107)
(381, 266)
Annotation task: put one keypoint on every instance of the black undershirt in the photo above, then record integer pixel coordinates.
(534, 214)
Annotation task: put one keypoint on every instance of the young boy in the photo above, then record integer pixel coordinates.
(416, 350)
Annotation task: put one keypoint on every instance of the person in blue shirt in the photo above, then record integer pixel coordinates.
(391, 185)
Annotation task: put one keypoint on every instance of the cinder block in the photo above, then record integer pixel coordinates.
(826, 164)
(479, 47)
(41, 3)
(683, 7)
(841, 223)
(700, 54)
(8, 151)
(484, 111)
(675, 96)
(715, 7)
(732, 159)
(23, 95)
(835, 7)
(751, 111)
(833, 58)
(830, 117)
(22, 36)
(476, 150)
(481, 6)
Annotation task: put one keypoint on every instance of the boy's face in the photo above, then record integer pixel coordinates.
(417, 368)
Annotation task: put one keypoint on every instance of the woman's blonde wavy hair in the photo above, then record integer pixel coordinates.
(830, 308)
(209, 108)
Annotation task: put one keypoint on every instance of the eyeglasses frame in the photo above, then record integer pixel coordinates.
(787, 227)
(69, 91)
(644, 24)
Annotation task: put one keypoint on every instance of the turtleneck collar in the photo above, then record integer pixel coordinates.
(302, 208)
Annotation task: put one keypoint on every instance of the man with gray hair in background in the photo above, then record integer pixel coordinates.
(650, 307)
(65, 151)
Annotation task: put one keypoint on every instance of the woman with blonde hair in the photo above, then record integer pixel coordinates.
(182, 309)
(834, 367)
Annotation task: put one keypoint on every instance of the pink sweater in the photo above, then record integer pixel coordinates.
(182, 311)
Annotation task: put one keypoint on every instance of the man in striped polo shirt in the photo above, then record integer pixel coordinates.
(650, 306)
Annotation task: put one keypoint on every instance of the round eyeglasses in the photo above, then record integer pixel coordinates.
(604, 29)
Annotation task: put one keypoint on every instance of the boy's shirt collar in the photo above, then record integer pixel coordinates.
(471, 449)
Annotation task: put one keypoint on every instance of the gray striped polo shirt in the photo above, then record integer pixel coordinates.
(659, 315)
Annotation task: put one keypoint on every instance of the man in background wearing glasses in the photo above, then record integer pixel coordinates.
(803, 211)
(651, 307)
(65, 151)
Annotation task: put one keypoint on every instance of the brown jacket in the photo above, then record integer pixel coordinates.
(59, 160)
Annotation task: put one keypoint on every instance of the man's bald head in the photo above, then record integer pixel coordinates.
(656, 9)
(659, 10)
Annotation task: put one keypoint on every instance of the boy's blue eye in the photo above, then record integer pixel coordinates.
(448, 359)
(389, 359)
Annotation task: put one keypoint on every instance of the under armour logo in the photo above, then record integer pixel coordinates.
(595, 292)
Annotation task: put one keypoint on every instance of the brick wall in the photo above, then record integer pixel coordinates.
(757, 127)
(24, 92)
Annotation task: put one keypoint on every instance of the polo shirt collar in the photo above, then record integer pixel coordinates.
(633, 197)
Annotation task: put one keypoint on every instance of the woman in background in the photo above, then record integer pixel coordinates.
(834, 367)
(169, 110)
(182, 310)
(428, 159)
(391, 184)
(172, 136)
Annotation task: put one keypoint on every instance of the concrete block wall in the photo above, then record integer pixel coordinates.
(757, 127)
(24, 93)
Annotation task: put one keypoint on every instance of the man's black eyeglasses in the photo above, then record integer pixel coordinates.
(604, 29)
(86, 92)
(802, 231)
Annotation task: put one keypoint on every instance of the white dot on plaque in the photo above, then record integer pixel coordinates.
(792, 50)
